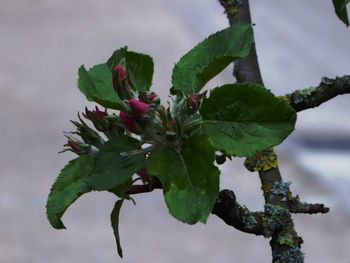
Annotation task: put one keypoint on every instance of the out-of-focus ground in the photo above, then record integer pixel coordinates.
(42, 44)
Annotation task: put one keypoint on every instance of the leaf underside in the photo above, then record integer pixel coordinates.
(241, 119)
(68, 187)
(112, 168)
(189, 178)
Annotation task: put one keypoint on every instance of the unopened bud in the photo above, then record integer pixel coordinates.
(99, 114)
(138, 108)
(194, 100)
(149, 98)
(76, 146)
(129, 122)
(97, 117)
(120, 70)
(88, 135)
(120, 83)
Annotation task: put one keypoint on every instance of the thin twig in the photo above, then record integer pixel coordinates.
(313, 97)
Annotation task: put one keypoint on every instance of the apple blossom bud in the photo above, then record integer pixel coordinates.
(138, 108)
(120, 70)
(77, 146)
(97, 117)
(149, 98)
(194, 100)
(129, 122)
(120, 83)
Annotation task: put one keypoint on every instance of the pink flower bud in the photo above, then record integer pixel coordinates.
(120, 70)
(194, 101)
(120, 83)
(138, 108)
(74, 147)
(129, 122)
(149, 97)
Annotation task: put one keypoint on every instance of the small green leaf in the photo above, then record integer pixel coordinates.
(189, 178)
(210, 57)
(97, 85)
(112, 168)
(115, 225)
(341, 10)
(241, 119)
(139, 67)
(68, 187)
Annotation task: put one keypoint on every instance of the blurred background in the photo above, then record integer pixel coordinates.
(42, 44)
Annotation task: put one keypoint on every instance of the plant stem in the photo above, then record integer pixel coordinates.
(247, 69)
(285, 243)
(308, 98)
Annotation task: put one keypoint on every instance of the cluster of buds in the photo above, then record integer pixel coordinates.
(135, 117)
(142, 114)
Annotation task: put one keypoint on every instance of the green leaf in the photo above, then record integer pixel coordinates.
(341, 10)
(241, 119)
(117, 57)
(68, 187)
(120, 189)
(115, 225)
(97, 82)
(112, 168)
(189, 178)
(139, 67)
(97, 85)
(210, 57)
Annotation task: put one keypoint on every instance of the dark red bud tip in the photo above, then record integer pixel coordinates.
(152, 97)
(120, 70)
(194, 101)
(149, 98)
(99, 114)
(138, 107)
(74, 147)
(129, 122)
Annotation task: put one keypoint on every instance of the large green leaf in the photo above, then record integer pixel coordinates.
(97, 85)
(139, 67)
(115, 225)
(210, 57)
(113, 168)
(341, 10)
(189, 178)
(241, 119)
(67, 188)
